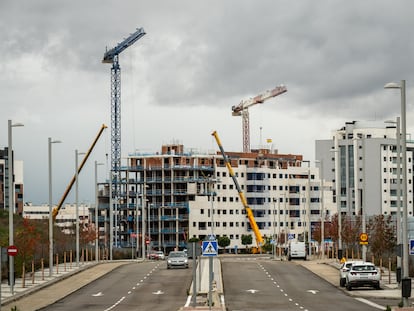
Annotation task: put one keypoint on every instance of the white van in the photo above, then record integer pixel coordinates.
(296, 250)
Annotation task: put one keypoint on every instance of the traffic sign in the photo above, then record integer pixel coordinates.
(12, 250)
(363, 239)
(209, 248)
(411, 247)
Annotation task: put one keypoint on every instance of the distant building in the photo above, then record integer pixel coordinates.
(66, 218)
(367, 159)
(181, 194)
(4, 183)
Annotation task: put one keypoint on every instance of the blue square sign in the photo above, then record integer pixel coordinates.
(411, 247)
(210, 248)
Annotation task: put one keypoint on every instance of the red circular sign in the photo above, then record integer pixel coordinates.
(12, 250)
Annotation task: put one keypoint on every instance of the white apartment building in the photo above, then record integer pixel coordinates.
(65, 219)
(363, 157)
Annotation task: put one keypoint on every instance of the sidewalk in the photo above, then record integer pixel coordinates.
(65, 280)
(328, 270)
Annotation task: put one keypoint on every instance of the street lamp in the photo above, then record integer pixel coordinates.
(76, 204)
(322, 208)
(96, 213)
(405, 254)
(11, 199)
(338, 195)
(274, 229)
(308, 225)
(50, 142)
(398, 147)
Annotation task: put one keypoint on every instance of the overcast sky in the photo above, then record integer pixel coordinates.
(179, 81)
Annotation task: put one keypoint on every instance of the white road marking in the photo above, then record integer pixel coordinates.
(313, 291)
(252, 291)
(158, 292)
(97, 294)
(370, 303)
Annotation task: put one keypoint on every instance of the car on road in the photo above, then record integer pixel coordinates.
(177, 259)
(160, 255)
(364, 274)
(344, 269)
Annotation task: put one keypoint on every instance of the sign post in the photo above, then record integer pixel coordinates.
(210, 250)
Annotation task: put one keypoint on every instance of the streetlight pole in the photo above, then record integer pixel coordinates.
(50, 142)
(77, 204)
(274, 229)
(338, 194)
(111, 218)
(96, 213)
(308, 225)
(322, 209)
(11, 199)
(405, 254)
(398, 147)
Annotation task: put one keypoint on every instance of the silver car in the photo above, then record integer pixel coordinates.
(177, 259)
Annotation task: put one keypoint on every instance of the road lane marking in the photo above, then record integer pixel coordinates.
(97, 294)
(370, 303)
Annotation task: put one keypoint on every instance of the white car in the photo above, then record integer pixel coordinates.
(160, 255)
(344, 269)
(365, 274)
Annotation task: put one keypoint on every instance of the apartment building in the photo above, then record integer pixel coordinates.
(363, 157)
(4, 183)
(179, 194)
(66, 218)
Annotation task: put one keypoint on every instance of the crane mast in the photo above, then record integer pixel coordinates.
(249, 212)
(112, 57)
(242, 110)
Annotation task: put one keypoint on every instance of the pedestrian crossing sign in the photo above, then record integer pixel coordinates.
(209, 248)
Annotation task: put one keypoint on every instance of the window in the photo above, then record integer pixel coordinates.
(202, 211)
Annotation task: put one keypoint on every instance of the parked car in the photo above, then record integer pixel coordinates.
(177, 259)
(344, 269)
(152, 255)
(160, 255)
(364, 274)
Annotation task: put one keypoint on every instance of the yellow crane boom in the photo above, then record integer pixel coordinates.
(69, 187)
(249, 212)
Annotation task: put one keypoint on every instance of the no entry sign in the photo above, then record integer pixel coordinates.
(12, 250)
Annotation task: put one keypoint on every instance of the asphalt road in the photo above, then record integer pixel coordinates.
(262, 285)
(145, 286)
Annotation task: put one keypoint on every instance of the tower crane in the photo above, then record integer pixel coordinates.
(112, 57)
(242, 110)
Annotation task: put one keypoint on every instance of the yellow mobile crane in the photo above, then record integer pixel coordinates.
(58, 207)
(250, 216)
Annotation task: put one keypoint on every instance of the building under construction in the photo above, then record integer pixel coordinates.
(177, 194)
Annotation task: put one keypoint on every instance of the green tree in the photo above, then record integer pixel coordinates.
(246, 240)
(223, 241)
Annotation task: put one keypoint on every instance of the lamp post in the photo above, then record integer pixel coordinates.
(50, 142)
(338, 195)
(96, 213)
(11, 198)
(405, 255)
(322, 209)
(308, 225)
(398, 147)
(77, 204)
(274, 229)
